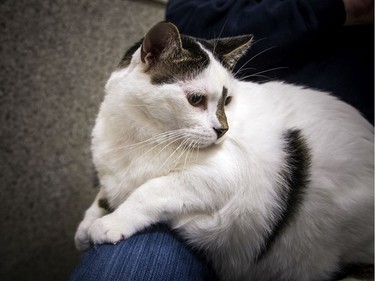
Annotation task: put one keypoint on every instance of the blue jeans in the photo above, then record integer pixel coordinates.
(156, 254)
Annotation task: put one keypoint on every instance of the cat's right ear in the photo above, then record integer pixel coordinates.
(162, 41)
(231, 49)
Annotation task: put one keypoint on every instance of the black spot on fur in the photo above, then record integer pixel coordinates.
(295, 178)
(104, 204)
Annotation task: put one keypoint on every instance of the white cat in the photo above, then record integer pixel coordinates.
(273, 181)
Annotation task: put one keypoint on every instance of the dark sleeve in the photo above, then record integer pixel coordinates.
(298, 41)
(283, 30)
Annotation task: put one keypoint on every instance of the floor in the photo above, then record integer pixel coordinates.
(55, 57)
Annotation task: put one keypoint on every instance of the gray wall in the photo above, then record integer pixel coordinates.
(55, 57)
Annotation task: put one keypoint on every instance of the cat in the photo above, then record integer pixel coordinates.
(272, 181)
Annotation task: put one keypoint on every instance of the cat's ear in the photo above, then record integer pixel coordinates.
(162, 41)
(231, 49)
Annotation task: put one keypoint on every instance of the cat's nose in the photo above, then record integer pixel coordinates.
(220, 131)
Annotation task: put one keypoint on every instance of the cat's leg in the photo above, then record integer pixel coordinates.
(95, 211)
(158, 200)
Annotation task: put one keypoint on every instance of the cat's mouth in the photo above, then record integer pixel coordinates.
(191, 139)
(207, 140)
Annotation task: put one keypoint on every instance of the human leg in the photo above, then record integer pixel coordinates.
(152, 255)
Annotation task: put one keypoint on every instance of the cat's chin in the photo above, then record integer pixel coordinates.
(219, 140)
(205, 146)
(211, 144)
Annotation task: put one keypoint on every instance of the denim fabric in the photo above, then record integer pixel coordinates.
(155, 254)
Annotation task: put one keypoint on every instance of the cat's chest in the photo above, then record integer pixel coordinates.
(123, 171)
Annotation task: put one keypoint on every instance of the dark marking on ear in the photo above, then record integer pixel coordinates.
(294, 181)
(125, 61)
(161, 41)
(104, 204)
(228, 50)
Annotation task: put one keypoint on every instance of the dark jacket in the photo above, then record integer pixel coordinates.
(298, 41)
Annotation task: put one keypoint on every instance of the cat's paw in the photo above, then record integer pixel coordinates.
(108, 229)
(81, 238)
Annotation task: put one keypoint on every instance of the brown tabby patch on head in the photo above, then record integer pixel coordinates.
(185, 65)
(169, 56)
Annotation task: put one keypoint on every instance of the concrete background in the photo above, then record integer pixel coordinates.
(55, 57)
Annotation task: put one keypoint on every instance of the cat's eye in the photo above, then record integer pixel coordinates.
(196, 99)
(228, 100)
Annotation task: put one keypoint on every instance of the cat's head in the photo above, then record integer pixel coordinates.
(176, 86)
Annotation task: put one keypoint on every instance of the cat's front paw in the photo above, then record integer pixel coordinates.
(81, 238)
(108, 229)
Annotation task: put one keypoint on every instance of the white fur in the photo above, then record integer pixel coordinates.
(220, 195)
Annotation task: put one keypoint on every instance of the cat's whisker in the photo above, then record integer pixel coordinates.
(271, 69)
(189, 151)
(169, 137)
(258, 40)
(135, 105)
(136, 145)
(254, 75)
(169, 140)
(245, 69)
(221, 32)
(197, 150)
(222, 29)
(252, 58)
(158, 139)
(185, 149)
(176, 136)
(171, 155)
(252, 44)
(142, 128)
(257, 74)
(193, 146)
(158, 144)
(260, 53)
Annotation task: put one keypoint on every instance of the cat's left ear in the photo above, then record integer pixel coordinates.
(231, 49)
(161, 42)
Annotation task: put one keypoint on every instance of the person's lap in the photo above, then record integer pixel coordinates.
(154, 254)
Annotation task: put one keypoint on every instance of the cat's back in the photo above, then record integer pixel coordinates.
(340, 141)
(341, 180)
(326, 122)
(296, 104)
